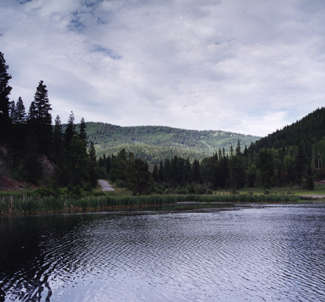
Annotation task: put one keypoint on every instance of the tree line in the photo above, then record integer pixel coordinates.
(294, 155)
(37, 152)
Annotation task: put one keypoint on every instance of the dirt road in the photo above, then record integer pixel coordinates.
(105, 185)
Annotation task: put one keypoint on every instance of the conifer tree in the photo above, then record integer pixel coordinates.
(58, 141)
(140, 181)
(32, 114)
(155, 173)
(196, 174)
(161, 171)
(12, 111)
(20, 113)
(92, 165)
(238, 148)
(5, 90)
(83, 133)
(69, 131)
(43, 118)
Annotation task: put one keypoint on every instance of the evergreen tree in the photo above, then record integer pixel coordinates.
(231, 151)
(70, 131)
(12, 111)
(161, 172)
(20, 113)
(139, 179)
(83, 133)
(58, 142)
(266, 167)
(238, 148)
(155, 173)
(5, 90)
(196, 174)
(301, 164)
(92, 165)
(32, 114)
(43, 118)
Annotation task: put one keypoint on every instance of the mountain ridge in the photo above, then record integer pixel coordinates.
(155, 143)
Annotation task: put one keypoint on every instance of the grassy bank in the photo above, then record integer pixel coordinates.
(27, 203)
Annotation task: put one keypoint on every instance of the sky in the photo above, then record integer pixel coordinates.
(249, 66)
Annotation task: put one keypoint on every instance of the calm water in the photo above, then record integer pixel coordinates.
(275, 253)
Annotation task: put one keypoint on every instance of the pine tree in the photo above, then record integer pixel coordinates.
(5, 90)
(265, 164)
(69, 131)
(231, 151)
(32, 135)
(12, 111)
(42, 104)
(161, 171)
(92, 165)
(32, 114)
(83, 133)
(58, 141)
(196, 173)
(43, 118)
(238, 148)
(155, 173)
(139, 180)
(20, 113)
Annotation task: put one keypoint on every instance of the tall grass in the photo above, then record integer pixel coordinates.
(29, 203)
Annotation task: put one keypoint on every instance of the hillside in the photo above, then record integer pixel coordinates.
(154, 143)
(309, 130)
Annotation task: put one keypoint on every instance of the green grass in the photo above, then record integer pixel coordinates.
(28, 203)
(294, 190)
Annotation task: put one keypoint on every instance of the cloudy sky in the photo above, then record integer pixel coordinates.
(248, 66)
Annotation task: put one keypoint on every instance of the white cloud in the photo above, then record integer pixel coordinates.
(249, 66)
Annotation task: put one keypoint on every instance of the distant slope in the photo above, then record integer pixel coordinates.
(155, 143)
(308, 130)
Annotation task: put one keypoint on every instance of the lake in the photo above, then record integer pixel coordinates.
(270, 253)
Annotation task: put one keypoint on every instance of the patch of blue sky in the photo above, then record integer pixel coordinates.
(75, 23)
(23, 1)
(106, 51)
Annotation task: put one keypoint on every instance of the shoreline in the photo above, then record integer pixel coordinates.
(132, 204)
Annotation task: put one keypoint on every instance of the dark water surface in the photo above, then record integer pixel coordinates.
(274, 253)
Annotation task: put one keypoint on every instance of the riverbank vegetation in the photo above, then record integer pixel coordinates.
(31, 203)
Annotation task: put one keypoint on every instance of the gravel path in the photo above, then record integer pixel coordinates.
(105, 185)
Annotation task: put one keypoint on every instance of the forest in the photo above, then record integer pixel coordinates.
(62, 156)
(156, 143)
(35, 151)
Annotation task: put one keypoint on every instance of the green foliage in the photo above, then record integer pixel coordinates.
(40, 153)
(44, 201)
(156, 143)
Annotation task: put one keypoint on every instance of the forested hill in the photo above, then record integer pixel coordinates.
(309, 130)
(154, 143)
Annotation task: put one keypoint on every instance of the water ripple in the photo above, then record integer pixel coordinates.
(254, 254)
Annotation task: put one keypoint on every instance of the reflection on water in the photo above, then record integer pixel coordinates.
(257, 254)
